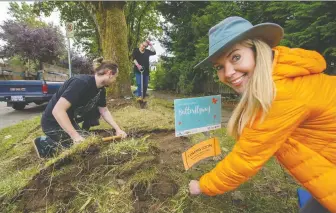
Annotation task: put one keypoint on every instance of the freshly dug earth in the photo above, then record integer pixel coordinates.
(47, 187)
(143, 173)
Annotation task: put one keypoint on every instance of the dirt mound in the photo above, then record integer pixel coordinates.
(169, 157)
(142, 174)
(144, 195)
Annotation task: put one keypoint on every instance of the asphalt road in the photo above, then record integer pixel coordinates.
(9, 116)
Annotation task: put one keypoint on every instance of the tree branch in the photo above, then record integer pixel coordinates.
(91, 9)
(139, 23)
(131, 25)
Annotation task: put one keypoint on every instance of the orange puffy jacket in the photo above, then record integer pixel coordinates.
(300, 130)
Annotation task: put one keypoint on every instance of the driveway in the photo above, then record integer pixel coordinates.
(9, 116)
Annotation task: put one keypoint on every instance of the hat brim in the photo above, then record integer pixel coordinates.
(267, 32)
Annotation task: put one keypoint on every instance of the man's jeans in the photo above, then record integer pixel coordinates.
(59, 136)
(145, 82)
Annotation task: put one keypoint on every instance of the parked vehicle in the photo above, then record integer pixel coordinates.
(19, 93)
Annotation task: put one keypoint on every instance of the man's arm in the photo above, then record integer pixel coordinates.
(105, 113)
(134, 54)
(62, 118)
(151, 48)
(137, 64)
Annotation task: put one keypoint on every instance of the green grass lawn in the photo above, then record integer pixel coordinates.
(143, 173)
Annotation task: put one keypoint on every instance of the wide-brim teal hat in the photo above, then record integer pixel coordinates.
(234, 29)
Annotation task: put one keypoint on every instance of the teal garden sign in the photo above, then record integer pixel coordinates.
(194, 115)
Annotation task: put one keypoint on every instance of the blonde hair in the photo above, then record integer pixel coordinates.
(100, 66)
(259, 92)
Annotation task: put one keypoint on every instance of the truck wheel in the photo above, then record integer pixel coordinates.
(19, 106)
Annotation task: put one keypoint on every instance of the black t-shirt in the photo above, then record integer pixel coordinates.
(142, 59)
(82, 93)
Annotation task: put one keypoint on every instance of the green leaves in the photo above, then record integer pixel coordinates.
(310, 25)
(142, 20)
(24, 13)
(86, 34)
(141, 17)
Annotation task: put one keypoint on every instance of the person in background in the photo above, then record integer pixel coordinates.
(141, 62)
(80, 99)
(287, 110)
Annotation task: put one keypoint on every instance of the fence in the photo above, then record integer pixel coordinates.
(210, 86)
(49, 73)
(54, 73)
(12, 72)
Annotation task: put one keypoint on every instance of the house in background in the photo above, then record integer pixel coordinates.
(152, 65)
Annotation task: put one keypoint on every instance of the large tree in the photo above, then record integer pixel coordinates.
(109, 29)
(110, 21)
(105, 22)
(142, 20)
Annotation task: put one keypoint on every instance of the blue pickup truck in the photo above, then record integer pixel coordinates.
(19, 93)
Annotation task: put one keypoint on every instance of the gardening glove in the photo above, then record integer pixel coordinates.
(148, 43)
(139, 67)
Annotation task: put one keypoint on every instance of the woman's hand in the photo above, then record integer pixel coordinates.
(194, 187)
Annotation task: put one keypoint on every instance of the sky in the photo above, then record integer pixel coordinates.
(55, 19)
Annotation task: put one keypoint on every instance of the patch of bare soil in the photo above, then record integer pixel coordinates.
(169, 157)
(46, 188)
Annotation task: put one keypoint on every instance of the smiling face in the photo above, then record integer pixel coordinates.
(235, 67)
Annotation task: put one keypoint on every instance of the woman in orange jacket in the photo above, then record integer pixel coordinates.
(287, 110)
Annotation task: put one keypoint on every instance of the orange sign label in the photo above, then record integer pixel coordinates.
(200, 151)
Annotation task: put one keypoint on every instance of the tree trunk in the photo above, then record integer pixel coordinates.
(40, 65)
(112, 29)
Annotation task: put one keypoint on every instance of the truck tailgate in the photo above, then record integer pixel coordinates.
(18, 90)
(18, 87)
